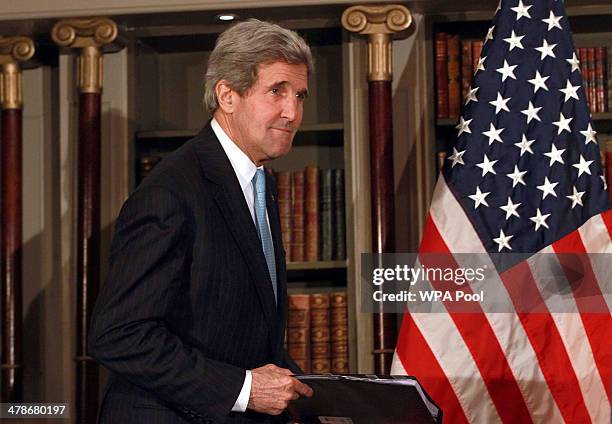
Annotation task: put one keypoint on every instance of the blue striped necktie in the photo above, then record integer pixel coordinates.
(259, 182)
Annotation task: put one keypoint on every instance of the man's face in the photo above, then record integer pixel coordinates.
(266, 118)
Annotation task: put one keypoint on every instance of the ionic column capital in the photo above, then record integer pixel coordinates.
(13, 50)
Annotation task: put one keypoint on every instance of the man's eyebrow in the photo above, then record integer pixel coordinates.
(304, 91)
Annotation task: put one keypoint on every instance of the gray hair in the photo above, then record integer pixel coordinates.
(240, 50)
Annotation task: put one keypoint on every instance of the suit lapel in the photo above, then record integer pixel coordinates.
(230, 200)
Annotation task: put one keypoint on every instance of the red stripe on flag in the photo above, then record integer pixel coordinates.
(607, 218)
(423, 363)
(598, 326)
(480, 340)
(547, 344)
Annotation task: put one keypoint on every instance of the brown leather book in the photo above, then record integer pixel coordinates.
(601, 57)
(476, 50)
(298, 330)
(454, 75)
(592, 80)
(319, 333)
(441, 69)
(466, 67)
(311, 210)
(297, 217)
(339, 333)
(283, 185)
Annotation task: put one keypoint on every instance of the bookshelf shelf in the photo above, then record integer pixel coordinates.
(314, 265)
(604, 116)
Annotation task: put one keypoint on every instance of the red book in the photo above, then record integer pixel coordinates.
(283, 184)
(311, 248)
(297, 217)
(601, 56)
(441, 75)
(298, 330)
(454, 75)
(592, 79)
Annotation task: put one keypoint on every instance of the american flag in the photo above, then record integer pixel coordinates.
(523, 175)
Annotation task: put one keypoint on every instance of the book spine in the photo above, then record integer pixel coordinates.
(609, 79)
(476, 50)
(319, 333)
(297, 217)
(584, 70)
(298, 330)
(339, 212)
(312, 213)
(339, 333)
(441, 70)
(454, 76)
(600, 84)
(592, 79)
(283, 184)
(325, 205)
(466, 67)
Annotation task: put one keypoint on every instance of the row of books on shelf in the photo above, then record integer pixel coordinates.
(456, 61)
(311, 208)
(596, 68)
(317, 332)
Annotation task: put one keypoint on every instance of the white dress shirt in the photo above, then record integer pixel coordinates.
(245, 170)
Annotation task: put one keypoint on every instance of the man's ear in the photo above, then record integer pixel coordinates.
(226, 97)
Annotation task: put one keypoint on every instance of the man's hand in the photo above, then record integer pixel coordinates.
(272, 388)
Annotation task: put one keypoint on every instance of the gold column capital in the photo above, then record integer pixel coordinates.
(12, 51)
(379, 23)
(90, 35)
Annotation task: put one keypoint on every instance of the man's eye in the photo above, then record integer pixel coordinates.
(275, 91)
(301, 96)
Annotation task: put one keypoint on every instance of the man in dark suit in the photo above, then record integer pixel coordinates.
(192, 316)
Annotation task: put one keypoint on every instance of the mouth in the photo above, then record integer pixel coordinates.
(285, 130)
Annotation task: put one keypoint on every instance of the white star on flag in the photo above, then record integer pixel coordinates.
(547, 188)
(517, 176)
(490, 34)
(555, 155)
(503, 241)
(507, 71)
(553, 21)
(531, 112)
(540, 220)
(487, 166)
(589, 135)
(576, 197)
(525, 145)
(500, 103)
(480, 66)
(538, 82)
(574, 62)
(546, 50)
(479, 198)
(493, 134)
(471, 95)
(563, 123)
(570, 91)
(583, 166)
(514, 41)
(510, 209)
(521, 10)
(456, 157)
(463, 126)
(605, 184)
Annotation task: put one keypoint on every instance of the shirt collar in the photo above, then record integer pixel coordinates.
(244, 168)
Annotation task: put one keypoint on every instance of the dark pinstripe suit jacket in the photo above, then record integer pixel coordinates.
(188, 304)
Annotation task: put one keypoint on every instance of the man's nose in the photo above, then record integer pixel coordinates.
(291, 108)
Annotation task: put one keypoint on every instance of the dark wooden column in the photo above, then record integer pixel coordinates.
(88, 35)
(379, 23)
(12, 51)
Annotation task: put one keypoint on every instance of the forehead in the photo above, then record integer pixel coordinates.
(277, 72)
